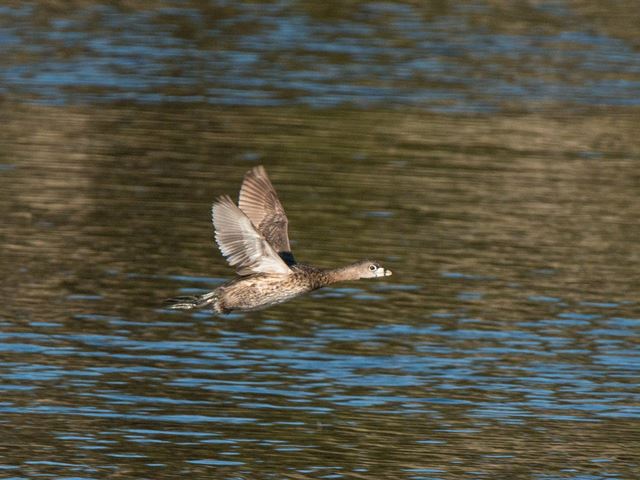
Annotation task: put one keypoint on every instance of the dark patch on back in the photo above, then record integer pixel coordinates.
(288, 258)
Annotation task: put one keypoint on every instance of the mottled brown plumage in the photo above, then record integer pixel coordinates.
(260, 202)
(253, 237)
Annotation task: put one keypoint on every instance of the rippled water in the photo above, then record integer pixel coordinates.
(488, 154)
(469, 56)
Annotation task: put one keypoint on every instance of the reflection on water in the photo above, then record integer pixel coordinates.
(506, 345)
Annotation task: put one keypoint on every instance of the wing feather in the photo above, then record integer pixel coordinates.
(260, 202)
(241, 244)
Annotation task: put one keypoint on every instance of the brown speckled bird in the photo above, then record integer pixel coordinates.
(253, 238)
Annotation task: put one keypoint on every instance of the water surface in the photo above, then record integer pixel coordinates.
(486, 154)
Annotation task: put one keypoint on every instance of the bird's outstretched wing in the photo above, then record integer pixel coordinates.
(242, 245)
(259, 201)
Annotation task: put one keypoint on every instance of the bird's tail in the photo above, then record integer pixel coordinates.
(194, 301)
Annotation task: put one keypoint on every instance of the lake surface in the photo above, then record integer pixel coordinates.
(486, 153)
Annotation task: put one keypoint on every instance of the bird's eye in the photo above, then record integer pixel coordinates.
(372, 267)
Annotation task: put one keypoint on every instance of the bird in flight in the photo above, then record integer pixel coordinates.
(253, 238)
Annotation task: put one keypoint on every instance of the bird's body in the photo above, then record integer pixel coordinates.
(253, 237)
(254, 292)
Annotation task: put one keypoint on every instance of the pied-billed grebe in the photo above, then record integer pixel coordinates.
(253, 237)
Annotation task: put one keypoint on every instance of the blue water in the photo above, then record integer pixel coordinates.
(467, 59)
